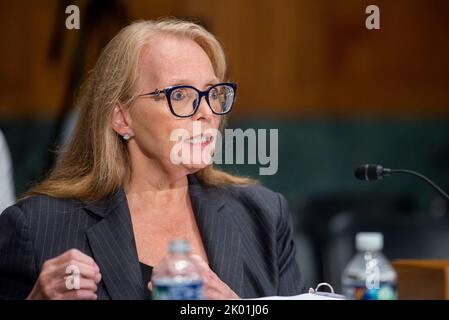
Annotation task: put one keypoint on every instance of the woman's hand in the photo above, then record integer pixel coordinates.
(53, 282)
(214, 288)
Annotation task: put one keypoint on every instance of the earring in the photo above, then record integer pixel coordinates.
(126, 136)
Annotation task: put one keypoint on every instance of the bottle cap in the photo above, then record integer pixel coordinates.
(369, 241)
(179, 246)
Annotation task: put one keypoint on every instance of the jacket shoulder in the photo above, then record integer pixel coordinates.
(46, 205)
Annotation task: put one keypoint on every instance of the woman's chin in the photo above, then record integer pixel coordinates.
(194, 167)
(196, 161)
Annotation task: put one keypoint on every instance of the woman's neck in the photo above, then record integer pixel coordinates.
(152, 187)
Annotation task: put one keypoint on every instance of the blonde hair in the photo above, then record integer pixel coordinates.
(95, 162)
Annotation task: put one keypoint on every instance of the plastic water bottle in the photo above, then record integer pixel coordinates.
(369, 275)
(177, 277)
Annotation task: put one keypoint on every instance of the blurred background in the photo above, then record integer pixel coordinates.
(339, 94)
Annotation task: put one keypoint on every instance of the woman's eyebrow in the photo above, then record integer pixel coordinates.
(212, 82)
(184, 82)
(177, 82)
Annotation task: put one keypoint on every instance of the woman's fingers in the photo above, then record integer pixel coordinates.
(74, 268)
(76, 255)
(77, 295)
(78, 284)
(214, 288)
(202, 266)
(88, 284)
(71, 275)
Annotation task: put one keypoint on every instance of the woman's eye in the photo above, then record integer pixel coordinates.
(213, 94)
(178, 95)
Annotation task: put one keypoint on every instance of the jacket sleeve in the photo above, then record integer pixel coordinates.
(18, 271)
(291, 281)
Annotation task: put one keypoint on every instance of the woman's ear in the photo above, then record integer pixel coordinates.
(121, 122)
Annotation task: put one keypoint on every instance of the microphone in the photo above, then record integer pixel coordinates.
(371, 172)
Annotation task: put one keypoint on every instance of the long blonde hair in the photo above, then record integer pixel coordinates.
(95, 162)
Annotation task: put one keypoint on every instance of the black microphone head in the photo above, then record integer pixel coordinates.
(369, 172)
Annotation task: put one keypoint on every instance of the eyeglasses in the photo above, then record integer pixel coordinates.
(184, 101)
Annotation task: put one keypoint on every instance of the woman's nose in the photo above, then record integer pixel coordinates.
(204, 111)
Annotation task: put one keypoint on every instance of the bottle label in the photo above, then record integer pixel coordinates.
(358, 290)
(172, 290)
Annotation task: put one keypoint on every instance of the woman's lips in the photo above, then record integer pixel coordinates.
(202, 140)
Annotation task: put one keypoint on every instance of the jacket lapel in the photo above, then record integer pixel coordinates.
(221, 237)
(113, 246)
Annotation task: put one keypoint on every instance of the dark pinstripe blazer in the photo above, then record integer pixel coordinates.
(246, 232)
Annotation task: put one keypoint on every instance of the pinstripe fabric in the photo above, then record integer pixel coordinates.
(246, 232)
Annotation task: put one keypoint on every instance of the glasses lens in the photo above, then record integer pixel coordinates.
(221, 98)
(183, 101)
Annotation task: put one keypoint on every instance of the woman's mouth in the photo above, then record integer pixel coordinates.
(201, 140)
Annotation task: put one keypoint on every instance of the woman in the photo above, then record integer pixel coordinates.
(116, 197)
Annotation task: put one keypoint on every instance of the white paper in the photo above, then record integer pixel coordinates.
(304, 296)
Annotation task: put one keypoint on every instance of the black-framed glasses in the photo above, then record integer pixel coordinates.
(184, 101)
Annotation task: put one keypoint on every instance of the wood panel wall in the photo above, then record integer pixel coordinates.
(291, 58)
